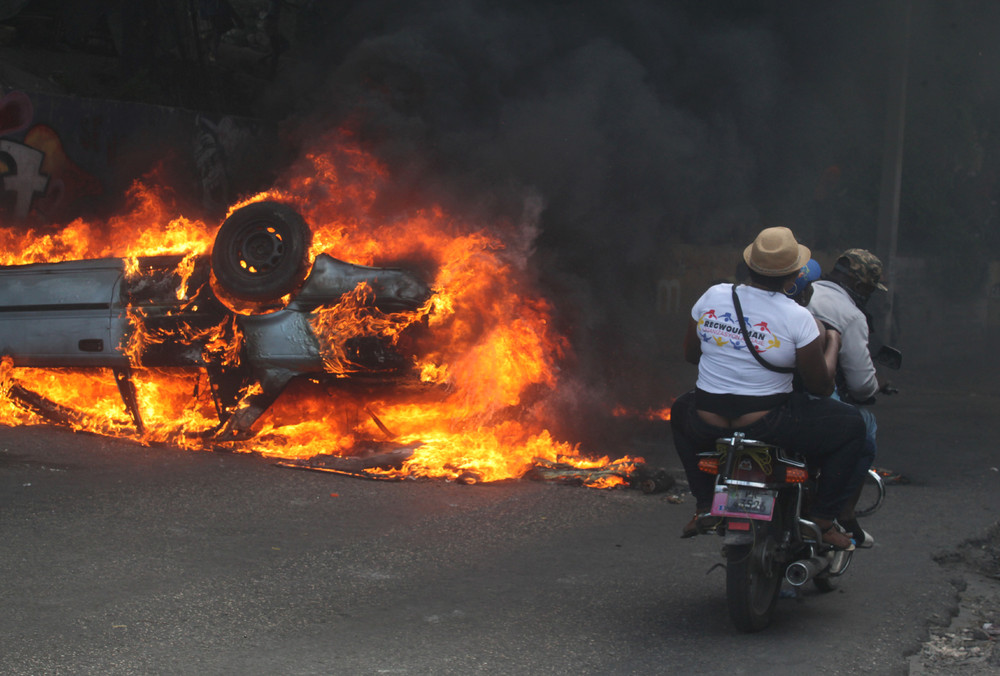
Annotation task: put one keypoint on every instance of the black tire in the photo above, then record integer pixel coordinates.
(261, 253)
(753, 579)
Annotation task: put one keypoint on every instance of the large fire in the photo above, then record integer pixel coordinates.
(489, 356)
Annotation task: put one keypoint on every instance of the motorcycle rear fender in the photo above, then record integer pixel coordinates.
(739, 532)
(737, 538)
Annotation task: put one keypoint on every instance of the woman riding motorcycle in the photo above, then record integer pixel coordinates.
(737, 390)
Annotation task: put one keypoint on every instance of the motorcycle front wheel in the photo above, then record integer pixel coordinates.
(753, 578)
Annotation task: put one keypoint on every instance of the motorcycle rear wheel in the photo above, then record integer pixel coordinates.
(753, 579)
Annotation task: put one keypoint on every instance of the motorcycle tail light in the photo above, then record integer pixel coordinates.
(796, 475)
(709, 465)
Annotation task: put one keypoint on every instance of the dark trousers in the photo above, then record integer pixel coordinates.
(829, 434)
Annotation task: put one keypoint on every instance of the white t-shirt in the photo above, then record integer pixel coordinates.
(777, 326)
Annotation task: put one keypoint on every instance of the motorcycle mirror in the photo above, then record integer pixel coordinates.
(889, 357)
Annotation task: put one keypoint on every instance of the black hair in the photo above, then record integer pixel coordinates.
(772, 283)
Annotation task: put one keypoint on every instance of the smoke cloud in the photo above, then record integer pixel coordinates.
(636, 125)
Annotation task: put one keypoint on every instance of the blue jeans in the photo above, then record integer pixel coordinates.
(871, 426)
(829, 434)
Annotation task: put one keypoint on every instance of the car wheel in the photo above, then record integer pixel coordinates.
(260, 254)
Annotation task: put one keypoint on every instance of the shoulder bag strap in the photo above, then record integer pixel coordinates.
(746, 336)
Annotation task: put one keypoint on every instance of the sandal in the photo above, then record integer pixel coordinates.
(862, 538)
(701, 522)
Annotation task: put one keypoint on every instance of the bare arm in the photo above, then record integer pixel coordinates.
(692, 344)
(832, 342)
(817, 363)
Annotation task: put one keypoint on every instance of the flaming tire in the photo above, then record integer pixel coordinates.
(261, 254)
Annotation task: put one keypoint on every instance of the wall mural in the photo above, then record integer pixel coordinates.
(61, 156)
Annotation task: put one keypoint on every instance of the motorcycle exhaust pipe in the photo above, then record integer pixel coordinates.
(800, 572)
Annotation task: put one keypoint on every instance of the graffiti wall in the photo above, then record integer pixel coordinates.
(62, 157)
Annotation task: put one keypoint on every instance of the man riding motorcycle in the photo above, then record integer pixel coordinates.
(838, 300)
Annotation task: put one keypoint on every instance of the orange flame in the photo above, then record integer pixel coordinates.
(649, 414)
(489, 353)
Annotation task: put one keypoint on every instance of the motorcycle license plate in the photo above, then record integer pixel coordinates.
(745, 503)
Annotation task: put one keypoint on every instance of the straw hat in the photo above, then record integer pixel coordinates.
(775, 253)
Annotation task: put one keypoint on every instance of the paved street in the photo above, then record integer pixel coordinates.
(122, 559)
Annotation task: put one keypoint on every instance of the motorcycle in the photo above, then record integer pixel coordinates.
(762, 492)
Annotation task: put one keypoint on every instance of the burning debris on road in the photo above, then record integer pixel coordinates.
(603, 473)
(267, 342)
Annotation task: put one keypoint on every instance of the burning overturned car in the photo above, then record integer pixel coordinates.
(255, 337)
(250, 314)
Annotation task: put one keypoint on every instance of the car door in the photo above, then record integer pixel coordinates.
(61, 314)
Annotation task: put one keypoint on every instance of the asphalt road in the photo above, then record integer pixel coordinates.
(123, 559)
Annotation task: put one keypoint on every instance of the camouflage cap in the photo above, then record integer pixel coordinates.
(862, 265)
